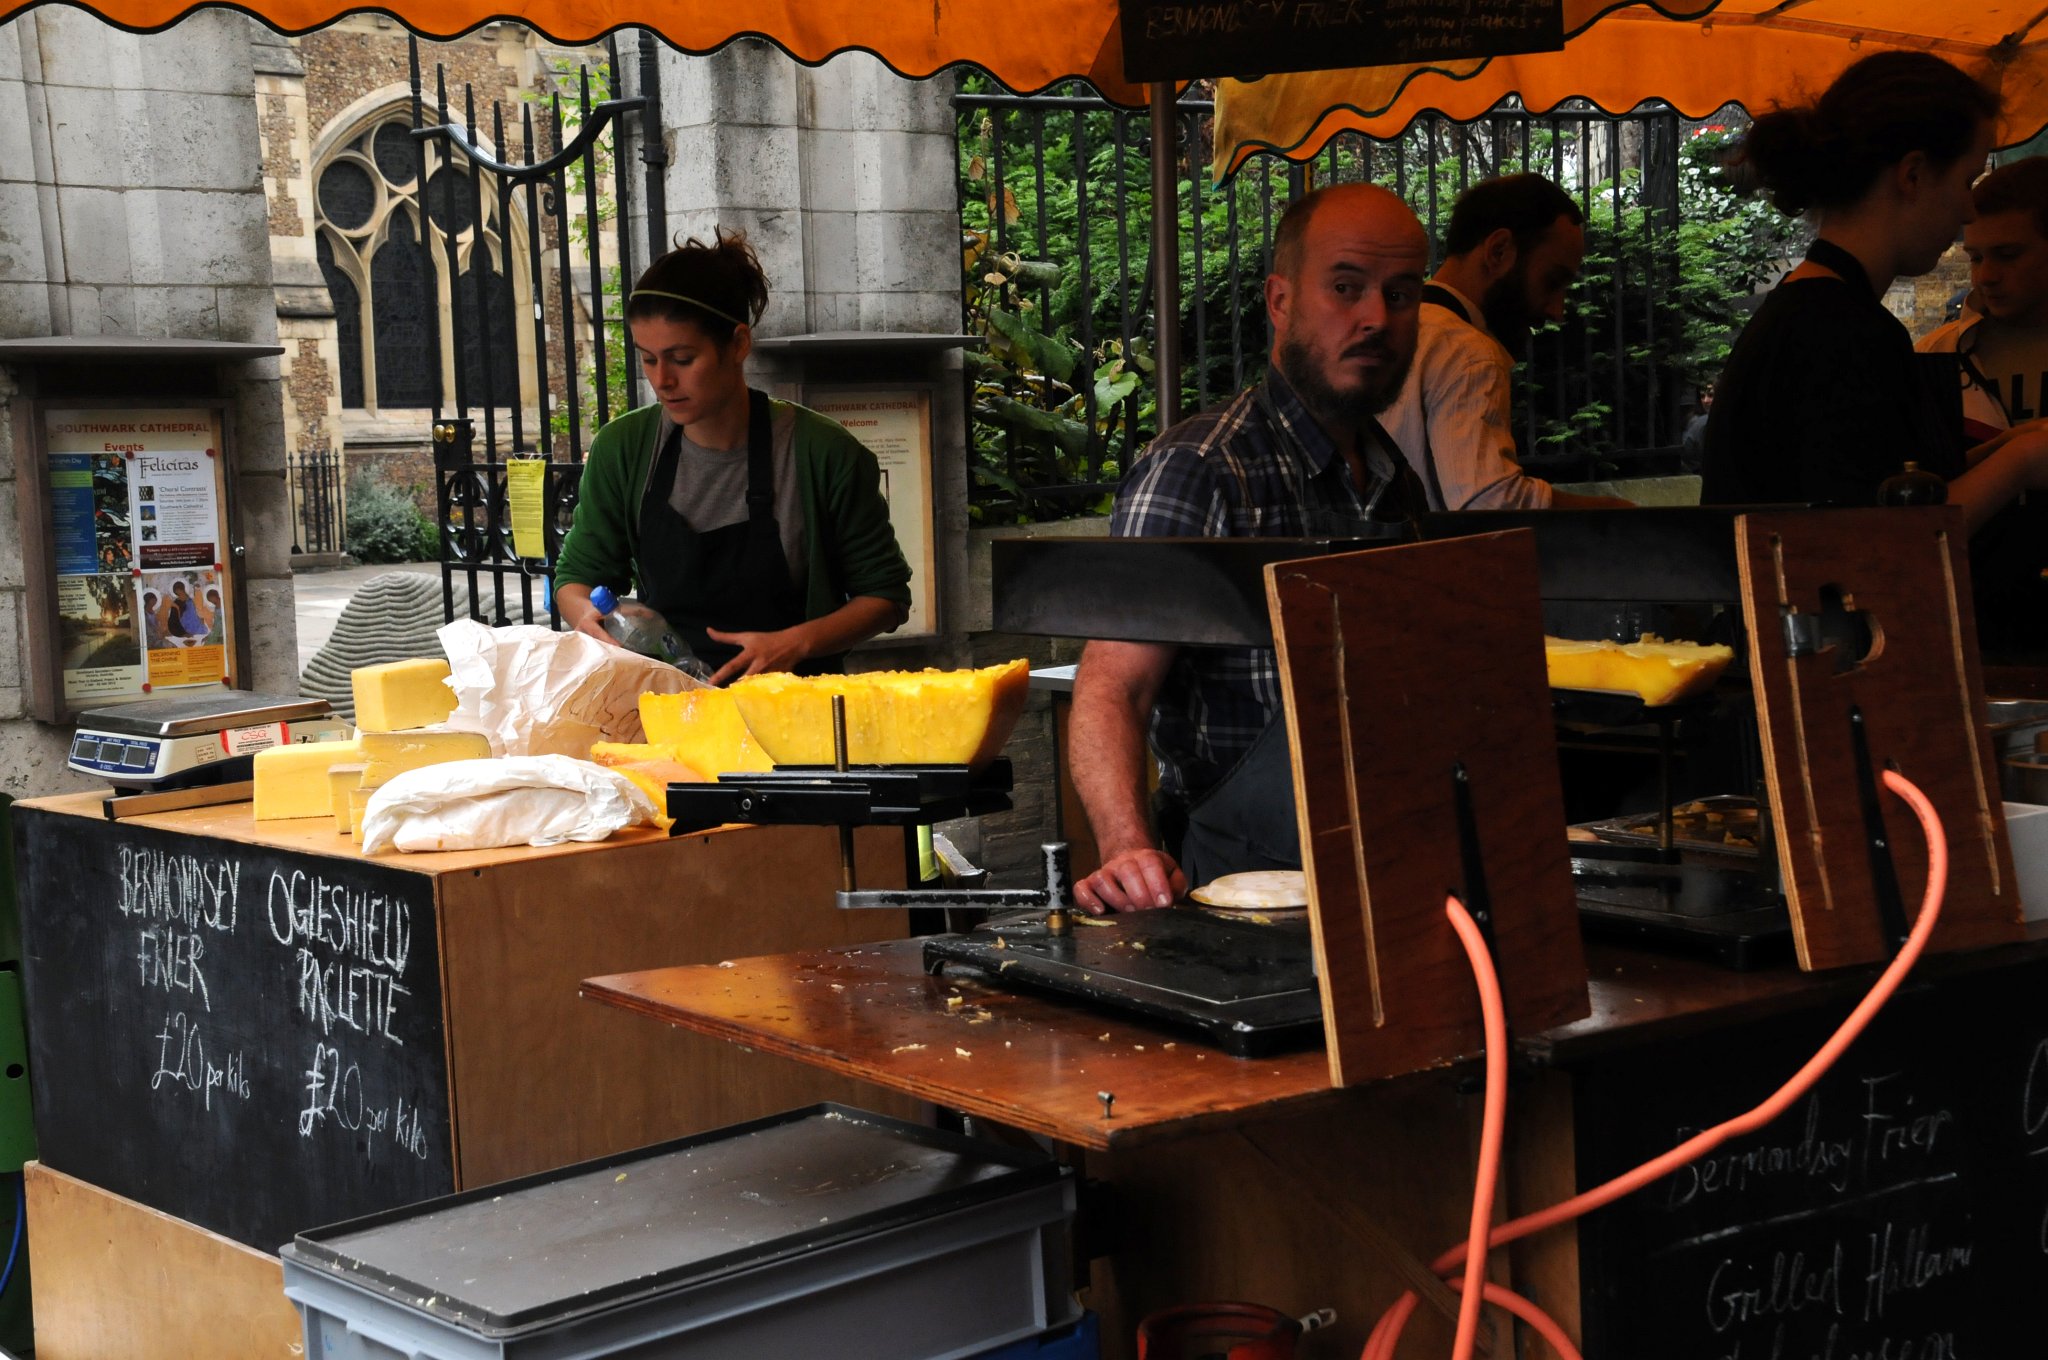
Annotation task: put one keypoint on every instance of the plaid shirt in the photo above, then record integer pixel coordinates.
(1258, 468)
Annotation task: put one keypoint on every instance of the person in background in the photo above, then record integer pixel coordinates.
(1822, 398)
(1513, 249)
(185, 609)
(153, 634)
(216, 628)
(1692, 445)
(1301, 452)
(757, 528)
(2000, 346)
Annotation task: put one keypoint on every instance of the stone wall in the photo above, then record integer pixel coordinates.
(132, 203)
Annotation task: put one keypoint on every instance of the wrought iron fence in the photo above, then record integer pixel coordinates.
(573, 171)
(318, 507)
(1055, 201)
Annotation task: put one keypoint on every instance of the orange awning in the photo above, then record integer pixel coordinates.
(1752, 52)
(1025, 47)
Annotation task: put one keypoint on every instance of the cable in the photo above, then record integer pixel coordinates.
(1493, 1015)
(1386, 1336)
(20, 1218)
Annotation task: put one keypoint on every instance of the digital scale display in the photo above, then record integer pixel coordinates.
(113, 755)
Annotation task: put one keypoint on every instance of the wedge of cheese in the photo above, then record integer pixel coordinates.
(1659, 672)
(653, 771)
(388, 754)
(341, 781)
(928, 717)
(702, 729)
(401, 694)
(291, 781)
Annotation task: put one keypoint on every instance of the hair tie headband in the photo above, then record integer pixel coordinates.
(684, 297)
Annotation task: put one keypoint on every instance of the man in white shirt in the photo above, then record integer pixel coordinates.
(1513, 247)
(2001, 345)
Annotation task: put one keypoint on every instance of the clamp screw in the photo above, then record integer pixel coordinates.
(1108, 1099)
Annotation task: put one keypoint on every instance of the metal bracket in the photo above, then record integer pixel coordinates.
(1884, 874)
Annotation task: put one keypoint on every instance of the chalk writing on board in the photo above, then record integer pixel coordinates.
(352, 921)
(170, 959)
(335, 1097)
(182, 1063)
(186, 890)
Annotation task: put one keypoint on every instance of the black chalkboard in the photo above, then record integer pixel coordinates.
(1899, 1211)
(1193, 39)
(247, 1039)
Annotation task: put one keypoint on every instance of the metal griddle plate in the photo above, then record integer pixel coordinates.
(1248, 988)
(527, 1254)
(202, 714)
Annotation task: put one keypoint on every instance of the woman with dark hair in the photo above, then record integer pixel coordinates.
(1823, 398)
(757, 528)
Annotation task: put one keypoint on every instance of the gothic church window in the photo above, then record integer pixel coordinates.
(392, 291)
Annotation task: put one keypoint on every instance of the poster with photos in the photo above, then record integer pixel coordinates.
(135, 512)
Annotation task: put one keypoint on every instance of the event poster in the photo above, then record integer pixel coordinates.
(136, 515)
(895, 424)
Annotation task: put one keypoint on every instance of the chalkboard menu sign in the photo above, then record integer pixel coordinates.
(1899, 1211)
(1193, 39)
(246, 1039)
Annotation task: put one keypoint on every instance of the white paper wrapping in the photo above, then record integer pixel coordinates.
(534, 692)
(513, 800)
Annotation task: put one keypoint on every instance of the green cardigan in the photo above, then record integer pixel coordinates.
(848, 544)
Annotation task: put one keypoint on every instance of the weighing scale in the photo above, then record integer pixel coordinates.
(194, 740)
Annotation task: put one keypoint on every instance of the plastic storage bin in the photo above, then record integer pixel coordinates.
(1082, 1341)
(824, 1231)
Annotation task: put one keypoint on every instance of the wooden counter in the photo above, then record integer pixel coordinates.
(1251, 1178)
(254, 1029)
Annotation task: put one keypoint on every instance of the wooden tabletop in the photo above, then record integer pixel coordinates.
(1037, 1062)
(1028, 1061)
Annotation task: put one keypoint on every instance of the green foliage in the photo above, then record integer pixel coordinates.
(385, 526)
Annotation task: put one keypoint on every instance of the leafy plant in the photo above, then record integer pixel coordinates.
(384, 525)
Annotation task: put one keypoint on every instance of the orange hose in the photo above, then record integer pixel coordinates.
(1387, 1334)
(1493, 1015)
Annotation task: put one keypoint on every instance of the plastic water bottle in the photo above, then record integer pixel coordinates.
(639, 629)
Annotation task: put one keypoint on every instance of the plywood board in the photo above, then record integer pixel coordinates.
(1921, 696)
(1402, 667)
(116, 1278)
(542, 1078)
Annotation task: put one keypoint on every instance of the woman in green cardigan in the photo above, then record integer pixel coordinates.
(756, 527)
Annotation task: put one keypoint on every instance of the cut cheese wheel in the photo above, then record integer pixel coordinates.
(291, 781)
(928, 717)
(1256, 890)
(702, 729)
(1657, 671)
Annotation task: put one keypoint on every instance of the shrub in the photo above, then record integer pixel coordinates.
(385, 526)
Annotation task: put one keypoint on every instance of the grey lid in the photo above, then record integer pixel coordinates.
(192, 715)
(528, 1253)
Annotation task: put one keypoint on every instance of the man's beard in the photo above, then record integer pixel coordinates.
(1335, 405)
(1506, 309)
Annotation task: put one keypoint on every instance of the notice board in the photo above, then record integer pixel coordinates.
(132, 586)
(1195, 39)
(248, 1039)
(894, 421)
(1899, 1210)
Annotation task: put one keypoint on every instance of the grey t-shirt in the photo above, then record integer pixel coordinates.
(710, 490)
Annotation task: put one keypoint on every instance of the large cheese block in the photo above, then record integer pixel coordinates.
(928, 717)
(401, 694)
(1660, 672)
(389, 754)
(702, 729)
(291, 781)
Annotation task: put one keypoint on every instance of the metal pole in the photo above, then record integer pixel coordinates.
(1166, 253)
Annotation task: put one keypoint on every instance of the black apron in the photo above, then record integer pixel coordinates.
(735, 579)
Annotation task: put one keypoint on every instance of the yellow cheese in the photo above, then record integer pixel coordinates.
(702, 729)
(341, 779)
(291, 781)
(358, 799)
(1660, 672)
(388, 754)
(928, 717)
(401, 694)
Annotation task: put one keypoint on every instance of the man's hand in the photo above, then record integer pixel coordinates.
(778, 651)
(1136, 880)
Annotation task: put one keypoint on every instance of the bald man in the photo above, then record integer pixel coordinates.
(1300, 453)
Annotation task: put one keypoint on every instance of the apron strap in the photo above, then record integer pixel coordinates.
(1446, 299)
